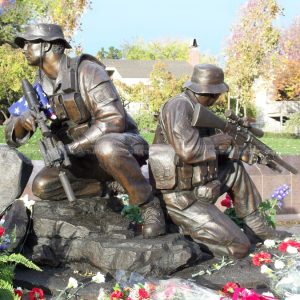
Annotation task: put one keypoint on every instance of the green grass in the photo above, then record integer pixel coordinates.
(282, 144)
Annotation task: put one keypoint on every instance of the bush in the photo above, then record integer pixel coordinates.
(293, 124)
(145, 121)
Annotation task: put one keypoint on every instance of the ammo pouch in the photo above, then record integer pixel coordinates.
(162, 166)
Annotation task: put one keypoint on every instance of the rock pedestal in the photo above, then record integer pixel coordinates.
(91, 236)
(15, 172)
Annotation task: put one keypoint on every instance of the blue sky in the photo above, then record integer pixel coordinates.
(112, 23)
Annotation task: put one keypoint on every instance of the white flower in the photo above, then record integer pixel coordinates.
(264, 269)
(269, 243)
(102, 295)
(98, 278)
(291, 250)
(27, 203)
(72, 283)
(2, 221)
(278, 264)
(293, 297)
(268, 294)
(19, 289)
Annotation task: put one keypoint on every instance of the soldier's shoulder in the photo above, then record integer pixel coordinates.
(92, 72)
(179, 100)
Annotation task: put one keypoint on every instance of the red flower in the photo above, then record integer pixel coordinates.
(18, 292)
(227, 201)
(36, 294)
(283, 245)
(2, 230)
(116, 295)
(229, 287)
(143, 294)
(261, 258)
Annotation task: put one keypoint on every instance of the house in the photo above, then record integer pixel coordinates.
(271, 114)
(132, 72)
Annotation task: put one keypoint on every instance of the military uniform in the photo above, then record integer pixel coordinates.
(191, 174)
(102, 139)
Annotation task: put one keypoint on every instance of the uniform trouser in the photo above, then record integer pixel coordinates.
(115, 156)
(206, 224)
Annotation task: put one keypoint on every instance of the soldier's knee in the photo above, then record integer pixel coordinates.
(39, 186)
(105, 148)
(44, 182)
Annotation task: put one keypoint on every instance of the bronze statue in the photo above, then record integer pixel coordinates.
(102, 140)
(191, 168)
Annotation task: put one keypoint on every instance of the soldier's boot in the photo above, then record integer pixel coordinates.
(258, 225)
(153, 219)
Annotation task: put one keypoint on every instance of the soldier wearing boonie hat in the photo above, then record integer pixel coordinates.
(191, 168)
(102, 140)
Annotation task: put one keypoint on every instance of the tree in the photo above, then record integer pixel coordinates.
(13, 16)
(251, 47)
(112, 53)
(163, 85)
(13, 68)
(169, 50)
(287, 68)
(16, 13)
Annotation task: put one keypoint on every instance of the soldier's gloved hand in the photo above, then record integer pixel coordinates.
(222, 141)
(75, 148)
(28, 120)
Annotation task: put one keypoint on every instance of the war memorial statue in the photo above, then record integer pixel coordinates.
(88, 140)
(192, 165)
(100, 140)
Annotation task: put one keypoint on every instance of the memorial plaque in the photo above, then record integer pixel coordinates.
(15, 170)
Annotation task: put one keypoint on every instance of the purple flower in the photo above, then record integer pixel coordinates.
(280, 193)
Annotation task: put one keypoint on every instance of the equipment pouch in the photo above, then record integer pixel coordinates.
(162, 166)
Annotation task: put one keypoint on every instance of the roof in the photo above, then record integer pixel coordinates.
(143, 68)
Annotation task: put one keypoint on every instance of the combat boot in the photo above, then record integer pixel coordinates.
(153, 219)
(256, 223)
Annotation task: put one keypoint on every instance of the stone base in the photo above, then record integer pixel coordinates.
(91, 236)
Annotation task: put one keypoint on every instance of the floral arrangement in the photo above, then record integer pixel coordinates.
(8, 262)
(268, 208)
(282, 266)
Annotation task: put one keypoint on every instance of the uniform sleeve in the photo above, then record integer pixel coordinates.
(186, 140)
(102, 100)
(10, 136)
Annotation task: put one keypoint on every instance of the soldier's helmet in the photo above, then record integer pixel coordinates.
(41, 33)
(207, 79)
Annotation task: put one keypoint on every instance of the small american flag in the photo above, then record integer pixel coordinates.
(21, 106)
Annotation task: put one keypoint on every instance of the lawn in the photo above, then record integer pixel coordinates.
(281, 144)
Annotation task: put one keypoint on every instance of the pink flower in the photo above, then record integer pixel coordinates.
(261, 258)
(227, 201)
(143, 294)
(18, 292)
(229, 287)
(2, 231)
(116, 295)
(36, 294)
(283, 245)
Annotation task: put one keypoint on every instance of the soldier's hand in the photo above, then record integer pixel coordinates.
(28, 120)
(221, 141)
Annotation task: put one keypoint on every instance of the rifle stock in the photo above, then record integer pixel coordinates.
(243, 138)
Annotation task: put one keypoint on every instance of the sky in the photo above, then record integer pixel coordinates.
(115, 22)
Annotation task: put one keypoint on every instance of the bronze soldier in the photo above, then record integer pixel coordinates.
(190, 167)
(101, 138)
